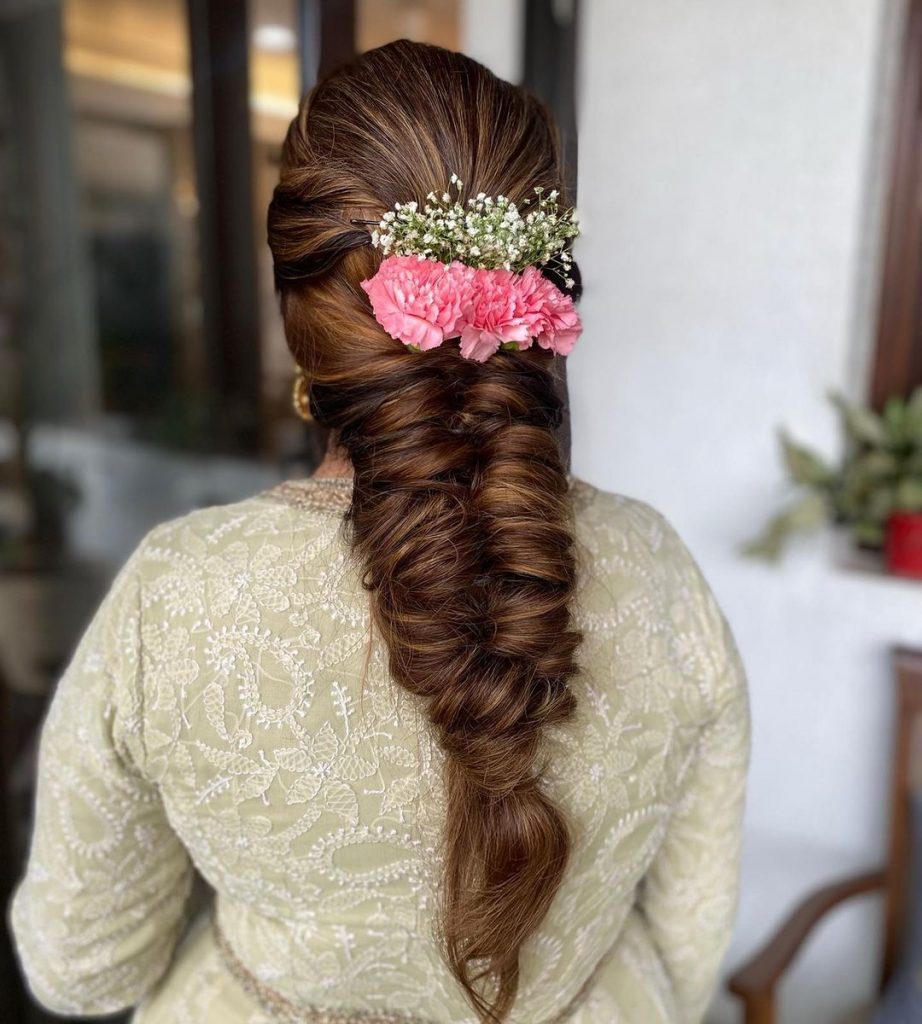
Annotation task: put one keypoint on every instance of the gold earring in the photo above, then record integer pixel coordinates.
(301, 396)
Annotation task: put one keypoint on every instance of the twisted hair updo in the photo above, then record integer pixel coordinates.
(460, 514)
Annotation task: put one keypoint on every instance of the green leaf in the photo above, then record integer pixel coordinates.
(806, 513)
(868, 468)
(765, 548)
(914, 419)
(868, 534)
(894, 419)
(803, 465)
(908, 497)
(861, 425)
(880, 504)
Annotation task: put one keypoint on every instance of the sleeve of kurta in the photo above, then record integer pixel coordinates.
(97, 915)
(689, 896)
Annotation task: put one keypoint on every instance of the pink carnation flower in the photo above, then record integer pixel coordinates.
(422, 302)
(493, 315)
(549, 313)
(419, 301)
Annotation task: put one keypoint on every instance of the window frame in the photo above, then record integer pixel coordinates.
(897, 358)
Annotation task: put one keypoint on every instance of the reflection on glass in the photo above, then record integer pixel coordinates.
(424, 21)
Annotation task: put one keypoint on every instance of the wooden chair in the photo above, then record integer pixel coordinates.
(756, 982)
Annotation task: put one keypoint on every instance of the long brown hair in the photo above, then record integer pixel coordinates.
(460, 513)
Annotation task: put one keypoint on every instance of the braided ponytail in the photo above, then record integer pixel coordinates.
(460, 515)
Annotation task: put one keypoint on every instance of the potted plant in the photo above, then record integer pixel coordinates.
(875, 490)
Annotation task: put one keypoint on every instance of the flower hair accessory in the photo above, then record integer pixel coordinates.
(472, 272)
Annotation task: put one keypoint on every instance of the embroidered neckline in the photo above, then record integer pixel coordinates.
(319, 494)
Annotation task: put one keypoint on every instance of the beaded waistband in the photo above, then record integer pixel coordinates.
(283, 1009)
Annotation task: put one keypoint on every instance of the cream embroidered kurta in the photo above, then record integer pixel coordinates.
(229, 710)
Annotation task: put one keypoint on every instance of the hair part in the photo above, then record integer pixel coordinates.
(460, 516)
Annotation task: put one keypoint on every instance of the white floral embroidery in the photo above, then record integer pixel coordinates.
(230, 708)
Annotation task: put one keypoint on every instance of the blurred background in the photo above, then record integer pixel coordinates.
(750, 183)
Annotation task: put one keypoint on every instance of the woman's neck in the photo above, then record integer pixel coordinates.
(333, 464)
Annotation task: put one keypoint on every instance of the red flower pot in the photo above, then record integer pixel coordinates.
(903, 544)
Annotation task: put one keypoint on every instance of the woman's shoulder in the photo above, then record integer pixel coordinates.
(289, 514)
(614, 524)
(638, 566)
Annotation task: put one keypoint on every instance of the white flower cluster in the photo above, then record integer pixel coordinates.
(489, 232)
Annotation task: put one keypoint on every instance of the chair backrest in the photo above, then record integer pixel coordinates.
(906, 781)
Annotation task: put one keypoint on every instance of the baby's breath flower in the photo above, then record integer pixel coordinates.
(485, 232)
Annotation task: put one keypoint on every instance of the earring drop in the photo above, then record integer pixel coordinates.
(301, 396)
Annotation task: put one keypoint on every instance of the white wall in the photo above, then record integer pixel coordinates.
(731, 164)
